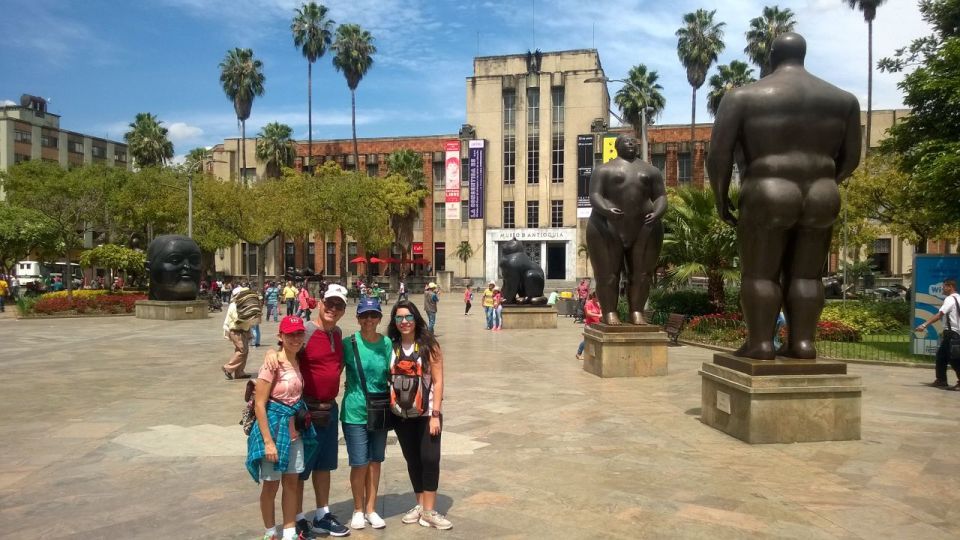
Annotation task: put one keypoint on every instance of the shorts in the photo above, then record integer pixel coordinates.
(364, 446)
(325, 456)
(268, 471)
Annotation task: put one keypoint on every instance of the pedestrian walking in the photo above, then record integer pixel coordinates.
(430, 298)
(467, 300)
(949, 310)
(488, 303)
(497, 309)
(402, 291)
(4, 289)
(271, 297)
(591, 315)
(290, 297)
(236, 328)
(14, 288)
(306, 303)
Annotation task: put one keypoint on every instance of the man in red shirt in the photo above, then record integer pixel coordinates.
(321, 361)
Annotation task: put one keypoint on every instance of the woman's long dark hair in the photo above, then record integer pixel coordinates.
(421, 334)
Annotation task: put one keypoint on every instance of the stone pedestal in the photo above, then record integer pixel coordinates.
(780, 401)
(172, 310)
(625, 351)
(528, 317)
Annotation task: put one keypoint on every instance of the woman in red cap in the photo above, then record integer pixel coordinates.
(275, 451)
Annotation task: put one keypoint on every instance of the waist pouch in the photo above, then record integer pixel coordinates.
(319, 411)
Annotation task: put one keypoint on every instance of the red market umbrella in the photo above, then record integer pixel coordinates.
(377, 260)
(406, 261)
(421, 261)
(391, 260)
(358, 260)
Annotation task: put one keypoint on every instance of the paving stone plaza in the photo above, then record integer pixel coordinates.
(126, 428)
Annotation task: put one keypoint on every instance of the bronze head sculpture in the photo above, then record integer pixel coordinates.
(173, 263)
(800, 137)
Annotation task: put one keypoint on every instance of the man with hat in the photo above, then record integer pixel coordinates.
(488, 303)
(430, 298)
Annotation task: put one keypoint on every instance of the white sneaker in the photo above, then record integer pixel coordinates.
(412, 515)
(432, 518)
(375, 520)
(357, 522)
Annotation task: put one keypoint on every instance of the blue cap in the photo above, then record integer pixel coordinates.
(369, 304)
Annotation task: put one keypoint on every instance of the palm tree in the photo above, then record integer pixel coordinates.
(869, 9)
(728, 77)
(242, 79)
(275, 147)
(148, 142)
(196, 158)
(641, 90)
(354, 49)
(464, 252)
(312, 32)
(763, 30)
(409, 164)
(699, 42)
(698, 242)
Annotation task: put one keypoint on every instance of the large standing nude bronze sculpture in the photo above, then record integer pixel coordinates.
(800, 138)
(624, 232)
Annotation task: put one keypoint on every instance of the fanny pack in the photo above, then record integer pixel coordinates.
(319, 411)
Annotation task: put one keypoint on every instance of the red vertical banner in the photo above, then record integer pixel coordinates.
(452, 178)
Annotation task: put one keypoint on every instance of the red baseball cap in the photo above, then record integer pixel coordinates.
(291, 324)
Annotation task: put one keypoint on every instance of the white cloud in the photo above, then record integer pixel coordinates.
(7, 103)
(180, 132)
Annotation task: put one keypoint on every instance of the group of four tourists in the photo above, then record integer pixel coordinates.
(288, 446)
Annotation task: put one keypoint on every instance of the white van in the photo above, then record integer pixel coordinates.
(31, 271)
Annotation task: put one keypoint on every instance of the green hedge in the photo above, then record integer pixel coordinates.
(869, 317)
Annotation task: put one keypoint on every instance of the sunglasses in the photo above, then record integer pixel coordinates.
(404, 318)
(339, 306)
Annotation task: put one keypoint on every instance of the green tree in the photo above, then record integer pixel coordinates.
(71, 200)
(464, 252)
(728, 77)
(313, 32)
(409, 165)
(698, 243)
(196, 159)
(146, 203)
(763, 31)
(869, 9)
(275, 148)
(147, 141)
(114, 257)
(354, 50)
(700, 41)
(24, 231)
(242, 79)
(641, 90)
(927, 142)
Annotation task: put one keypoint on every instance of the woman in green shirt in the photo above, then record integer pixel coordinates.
(365, 449)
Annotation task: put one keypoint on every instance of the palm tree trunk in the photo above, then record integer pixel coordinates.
(310, 115)
(715, 290)
(869, 82)
(243, 151)
(693, 121)
(353, 112)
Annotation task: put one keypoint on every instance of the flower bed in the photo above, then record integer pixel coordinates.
(98, 303)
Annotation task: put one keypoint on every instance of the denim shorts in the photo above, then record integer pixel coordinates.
(364, 446)
(269, 472)
(325, 457)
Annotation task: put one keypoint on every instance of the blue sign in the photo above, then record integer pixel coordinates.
(477, 170)
(929, 271)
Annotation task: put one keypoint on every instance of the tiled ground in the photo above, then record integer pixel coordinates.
(124, 428)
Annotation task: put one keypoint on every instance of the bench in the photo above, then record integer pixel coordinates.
(674, 326)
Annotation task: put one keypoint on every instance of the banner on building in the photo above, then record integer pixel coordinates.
(452, 178)
(929, 271)
(584, 170)
(477, 178)
(418, 248)
(609, 147)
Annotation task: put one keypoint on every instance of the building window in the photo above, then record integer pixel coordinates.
(533, 213)
(49, 141)
(98, 152)
(438, 172)
(659, 161)
(248, 263)
(22, 136)
(75, 147)
(465, 213)
(249, 174)
(418, 223)
(331, 258)
(464, 172)
(508, 215)
(439, 256)
(20, 158)
(121, 156)
(351, 254)
(556, 213)
(373, 169)
(684, 167)
(509, 137)
(438, 218)
(533, 135)
(289, 256)
(311, 256)
(556, 148)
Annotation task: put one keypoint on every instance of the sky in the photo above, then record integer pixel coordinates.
(101, 62)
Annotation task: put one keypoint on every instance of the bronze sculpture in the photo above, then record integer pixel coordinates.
(800, 138)
(173, 263)
(523, 279)
(624, 232)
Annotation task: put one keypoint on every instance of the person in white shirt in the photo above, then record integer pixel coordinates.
(949, 310)
(238, 332)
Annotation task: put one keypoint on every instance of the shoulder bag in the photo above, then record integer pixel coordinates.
(378, 403)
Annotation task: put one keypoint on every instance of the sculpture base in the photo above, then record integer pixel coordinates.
(780, 401)
(517, 317)
(172, 310)
(625, 351)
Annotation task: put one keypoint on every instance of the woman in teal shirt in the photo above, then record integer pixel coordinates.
(365, 449)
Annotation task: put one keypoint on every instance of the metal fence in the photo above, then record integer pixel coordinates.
(841, 343)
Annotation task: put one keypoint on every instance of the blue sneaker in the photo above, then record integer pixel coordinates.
(328, 524)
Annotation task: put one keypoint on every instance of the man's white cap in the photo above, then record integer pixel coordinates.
(336, 291)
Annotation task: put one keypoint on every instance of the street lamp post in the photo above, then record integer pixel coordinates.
(190, 205)
(643, 111)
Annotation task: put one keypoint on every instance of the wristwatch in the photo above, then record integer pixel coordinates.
(436, 414)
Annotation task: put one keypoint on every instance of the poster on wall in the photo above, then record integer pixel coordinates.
(609, 147)
(418, 249)
(452, 178)
(477, 178)
(929, 271)
(584, 170)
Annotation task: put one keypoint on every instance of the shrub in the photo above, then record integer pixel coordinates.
(718, 327)
(80, 293)
(689, 302)
(100, 303)
(867, 317)
(837, 331)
